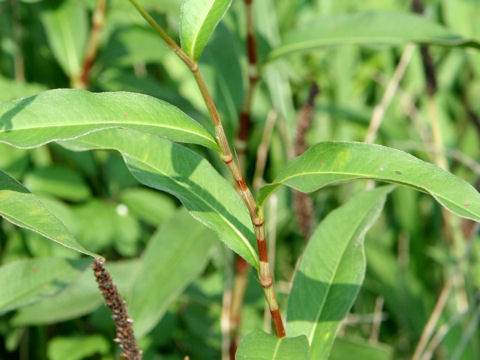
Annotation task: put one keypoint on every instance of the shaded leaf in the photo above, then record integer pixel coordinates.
(332, 162)
(28, 281)
(57, 180)
(175, 256)
(79, 298)
(183, 173)
(22, 208)
(261, 346)
(344, 348)
(198, 20)
(66, 113)
(148, 205)
(368, 28)
(332, 268)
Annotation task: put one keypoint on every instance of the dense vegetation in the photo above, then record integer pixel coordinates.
(117, 148)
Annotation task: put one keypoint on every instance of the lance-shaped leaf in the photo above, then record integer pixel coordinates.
(262, 346)
(332, 162)
(175, 256)
(169, 167)
(368, 28)
(198, 20)
(26, 282)
(66, 113)
(22, 208)
(331, 272)
(66, 27)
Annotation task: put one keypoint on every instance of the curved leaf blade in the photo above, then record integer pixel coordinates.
(22, 208)
(169, 167)
(332, 268)
(174, 257)
(332, 162)
(28, 281)
(262, 346)
(67, 113)
(369, 28)
(198, 20)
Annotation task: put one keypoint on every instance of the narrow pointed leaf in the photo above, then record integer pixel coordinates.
(175, 256)
(262, 346)
(169, 167)
(22, 208)
(66, 27)
(332, 268)
(368, 28)
(333, 162)
(66, 113)
(198, 20)
(28, 281)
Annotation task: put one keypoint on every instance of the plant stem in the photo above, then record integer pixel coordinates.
(92, 45)
(381, 108)
(265, 275)
(125, 337)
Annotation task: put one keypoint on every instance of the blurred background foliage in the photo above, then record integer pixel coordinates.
(42, 44)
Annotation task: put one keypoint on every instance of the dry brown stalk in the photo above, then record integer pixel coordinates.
(123, 324)
(302, 203)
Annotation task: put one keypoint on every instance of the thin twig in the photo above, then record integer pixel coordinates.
(262, 150)
(381, 108)
(377, 321)
(265, 274)
(92, 45)
(440, 306)
(123, 324)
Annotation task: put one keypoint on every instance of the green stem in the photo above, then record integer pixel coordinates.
(265, 275)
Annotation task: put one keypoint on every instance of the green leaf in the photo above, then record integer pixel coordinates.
(261, 346)
(76, 347)
(148, 205)
(66, 113)
(28, 281)
(79, 298)
(198, 20)
(57, 180)
(174, 257)
(183, 173)
(344, 348)
(66, 27)
(333, 162)
(332, 268)
(22, 208)
(368, 28)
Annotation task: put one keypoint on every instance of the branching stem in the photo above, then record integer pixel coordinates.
(265, 275)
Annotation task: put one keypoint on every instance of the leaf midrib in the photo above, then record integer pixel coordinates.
(334, 273)
(109, 125)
